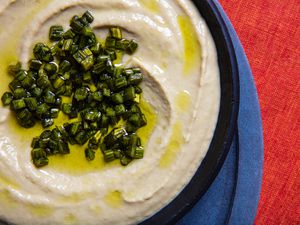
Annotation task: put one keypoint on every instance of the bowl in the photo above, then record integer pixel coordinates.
(226, 124)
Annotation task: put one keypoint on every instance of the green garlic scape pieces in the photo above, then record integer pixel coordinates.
(104, 97)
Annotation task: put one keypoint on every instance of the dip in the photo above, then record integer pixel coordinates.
(181, 102)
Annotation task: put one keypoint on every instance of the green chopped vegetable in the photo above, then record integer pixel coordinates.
(7, 97)
(96, 49)
(35, 64)
(42, 109)
(105, 95)
(43, 82)
(55, 134)
(110, 42)
(14, 85)
(92, 115)
(112, 54)
(69, 34)
(47, 122)
(132, 47)
(87, 31)
(120, 109)
(114, 135)
(125, 160)
(46, 134)
(139, 152)
(13, 69)
(67, 45)
(88, 17)
(99, 67)
(120, 82)
(89, 154)
(110, 112)
(24, 116)
(94, 143)
(81, 93)
(51, 68)
(122, 44)
(135, 79)
(31, 103)
(76, 24)
(81, 137)
(18, 104)
(129, 94)
(108, 155)
(28, 81)
(55, 33)
(21, 75)
(117, 98)
(49, 97)
(84, 58)
(63, 147)
(54, 112)
(35, 142)
(97, 96)
(19, 93)
(106, 92)
(115, 32)
(75, 127)
(39, 157)
(67, 108)
(43, 52)
(37, 92)
(59, 82)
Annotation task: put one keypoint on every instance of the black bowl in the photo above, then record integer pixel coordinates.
(226, 125)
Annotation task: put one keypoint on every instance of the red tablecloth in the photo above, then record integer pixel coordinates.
(270, 33)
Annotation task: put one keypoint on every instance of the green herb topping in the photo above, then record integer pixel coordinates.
(104, 96)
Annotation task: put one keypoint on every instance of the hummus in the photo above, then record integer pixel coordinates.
(181, 102)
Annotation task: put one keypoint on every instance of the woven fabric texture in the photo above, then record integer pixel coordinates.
(270, 33)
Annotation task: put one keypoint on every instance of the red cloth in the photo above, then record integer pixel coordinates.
(270, 33)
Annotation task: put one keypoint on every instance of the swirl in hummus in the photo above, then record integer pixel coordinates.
(181, 92)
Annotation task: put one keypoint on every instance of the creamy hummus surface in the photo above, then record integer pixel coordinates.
(181, 102)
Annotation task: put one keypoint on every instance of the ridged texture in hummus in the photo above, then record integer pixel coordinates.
(181, 91)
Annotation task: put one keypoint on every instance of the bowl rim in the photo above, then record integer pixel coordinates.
(226, 124)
